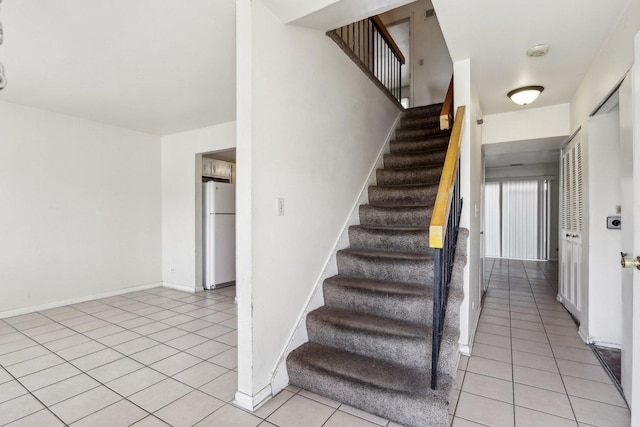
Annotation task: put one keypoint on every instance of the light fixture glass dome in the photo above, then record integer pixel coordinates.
(525, 95)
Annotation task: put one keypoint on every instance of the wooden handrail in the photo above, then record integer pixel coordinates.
(440, 216)
(446, 114)
(385, 34)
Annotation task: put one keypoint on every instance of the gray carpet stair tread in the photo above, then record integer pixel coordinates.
(390, 238)
(418, 215)
(374, 372)
(370, 324)
(387, 254)
(381, 287)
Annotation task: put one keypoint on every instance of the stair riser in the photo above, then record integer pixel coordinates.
(414, 160)
(405, 147)
(390, 196)
(425, 121)
(408, 410)
(401, 351)
(392, 269)
(417, 133)
(390, 240)
(426, 111)
(401, 307)
(408, 176)
(400, 216)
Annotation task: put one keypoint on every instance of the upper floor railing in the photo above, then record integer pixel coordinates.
(370, 45)
(443, 236)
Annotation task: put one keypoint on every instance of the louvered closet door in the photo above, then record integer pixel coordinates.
(571, 227)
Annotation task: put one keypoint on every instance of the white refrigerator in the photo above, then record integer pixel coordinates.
(219, 234)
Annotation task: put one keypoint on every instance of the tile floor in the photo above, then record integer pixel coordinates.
(528, 366)
(162, 357)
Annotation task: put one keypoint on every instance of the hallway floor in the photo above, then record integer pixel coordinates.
(162, 357)
(528, 366)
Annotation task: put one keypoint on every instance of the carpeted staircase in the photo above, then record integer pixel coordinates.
(370, 344)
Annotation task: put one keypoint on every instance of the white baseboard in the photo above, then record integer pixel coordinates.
(584, 335)
(466, 349)
(279, 377)
(252, 403)
(177, 287)
(62, 303)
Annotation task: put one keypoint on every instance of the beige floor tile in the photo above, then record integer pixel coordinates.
(150, 421)
(535, 361)
(186, 341)
(230, 338)
(534, 336)
(541, 400)
(17, 408)
(537, 378)
(230, 416)
(600, 414)
(10, 390)
(583, 370)
(492, 352)
(461, 422)
(40, 418)
(542, 349)
(459, 380)
(104, 331)
(494, 320)
(80, 350)
(529, 418)
(497, 313)
(489, 328)
(484, 411)
(135, 381)
(208, 349)
(462, 363)
(300, 411)
(575, 354)
(274, 403)
(318, 398)
(67, 342)
(154, 354)
(34, 365)
(213, 331)
(224, 387)
(96, 359)
(593, 390)
(49, 376)
(200, 374)
(84, 404)
(65, 389)
(189, 409)
(342, 419)
(527, 326)
(161, 394)
(23, 355)
(491, 339)
(176, 363)
(490, 387)
(135, 346)
(121, 413)
(364, 415)
(526, 317)
(567, 341)
(114, 370)
(227, 359)
(492, 368)
(118, 338)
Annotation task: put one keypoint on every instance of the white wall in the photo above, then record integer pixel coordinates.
(471, 179)
(605, 292)
(314, 123)
(534, 123)
(430, 81)
(181, 201)
(81, 208)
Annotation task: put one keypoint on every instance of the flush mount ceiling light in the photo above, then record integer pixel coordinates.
(525, 95)
(538, 50)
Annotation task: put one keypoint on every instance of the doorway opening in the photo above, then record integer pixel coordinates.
(215, 219)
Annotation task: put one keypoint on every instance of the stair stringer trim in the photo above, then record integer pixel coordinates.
(299, 336)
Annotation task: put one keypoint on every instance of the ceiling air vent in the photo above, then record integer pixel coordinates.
(430, 14)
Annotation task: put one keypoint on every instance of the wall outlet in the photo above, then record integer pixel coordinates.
(280, 206)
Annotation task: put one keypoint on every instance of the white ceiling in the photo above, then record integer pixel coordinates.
(156, 66)
(495, 34)
(526, 152)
